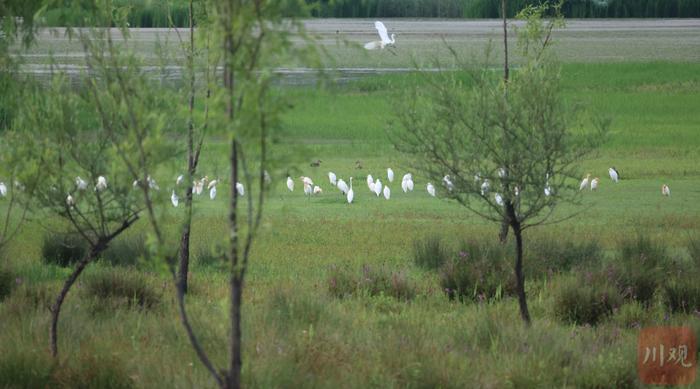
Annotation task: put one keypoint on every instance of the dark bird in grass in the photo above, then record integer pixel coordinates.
(358, 164)
(614, 175)
(316, 163)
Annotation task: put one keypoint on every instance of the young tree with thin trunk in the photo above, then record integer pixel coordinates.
(507, 147)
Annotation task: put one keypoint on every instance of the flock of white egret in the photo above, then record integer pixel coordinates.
(375, 186)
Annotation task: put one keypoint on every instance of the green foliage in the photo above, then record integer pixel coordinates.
(113, 288)
(372, 280)
(127, 250)
(25, 370)
(578, 301)
(63, 249)
(430, 253)
(93, 370)
(631, 315)
(480, 271)
(693, 246)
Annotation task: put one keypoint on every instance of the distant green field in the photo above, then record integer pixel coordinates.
(297, 335)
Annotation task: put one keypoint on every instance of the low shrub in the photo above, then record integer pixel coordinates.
(126, 250)
(115, 288)
(682, 294)
(637, 272)
(694, 249)
(479, 271)
(631, 315)
(548, 256)
(343, 282)
(577, 301)
(93, 370)
(430, 253)
(63, 249)
(25, 370)
(7, 282)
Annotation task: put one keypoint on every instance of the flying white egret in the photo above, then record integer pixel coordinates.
(290, 184)
(448, 183)
(101, 184)
(431, 189)
(383, 34)
(174, 199)
(498, 198)
(594, 183)
(180, 179)
(665, 190)
(586, 182)
(239, 188)
(342, 186)
(332, 178)
(317, 190)
(70, 201)
(3, 189)
(80, 183)
(387, 192)
(212, 193)
(390, 174)
(351, 194)
(614, 175)
(378, 187)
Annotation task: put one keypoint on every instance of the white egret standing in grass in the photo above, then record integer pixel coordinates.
(174, 199)
(614, 175)
(317, 190)
(404, 186)
(214, 182)
(342, 186)
(378, 187)
(70, 201)
(212, 193)
(498, 198)
(409, 184)
(101, 184)
(351, 194)
(308, 189)
(387, 192)
(585, 183)
(594, 183)
(665, 190)
(448, 183)
(198, 187)
(3, 189)
(290, 184)
(180, 179)
(332, 178)
(384, 35)
(240, 189)
(370, 182)
(80, 183)
(390, 175)
(431, 189)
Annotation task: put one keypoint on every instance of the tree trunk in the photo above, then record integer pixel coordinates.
(185, 238)
(56, 307)
(519, 276)
(234, 377)
(505, 41)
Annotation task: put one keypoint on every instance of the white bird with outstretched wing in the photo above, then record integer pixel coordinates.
(384, 35)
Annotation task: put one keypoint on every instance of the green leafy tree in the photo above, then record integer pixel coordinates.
(505, 148)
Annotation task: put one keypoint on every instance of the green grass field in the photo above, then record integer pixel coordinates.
(297, 334)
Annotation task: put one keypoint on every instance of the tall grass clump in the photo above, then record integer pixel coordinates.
(683, 294)
(92, 370)
(372, 281)
(694, 250)
(21, 369)
(127, 250)
(478, 272)
(580, 301)
(62, 249)
(430, 253)
(553, 256)
(638, 270)
(114, 288)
